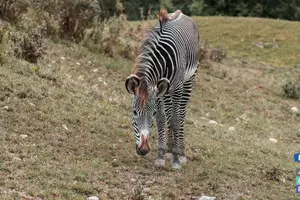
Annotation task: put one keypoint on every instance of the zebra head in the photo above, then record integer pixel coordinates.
(144, 108)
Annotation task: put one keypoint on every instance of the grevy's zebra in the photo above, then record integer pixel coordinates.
(162, 82)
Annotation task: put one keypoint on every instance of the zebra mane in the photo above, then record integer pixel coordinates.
(143, 61)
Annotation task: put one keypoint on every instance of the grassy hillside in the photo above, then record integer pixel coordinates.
(65, 129)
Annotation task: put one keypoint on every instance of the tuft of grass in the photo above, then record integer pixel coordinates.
(291, 89)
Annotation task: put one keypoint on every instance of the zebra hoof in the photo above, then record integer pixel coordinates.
(160, 163)
(169, 156)
(182, 160)
(176, 166)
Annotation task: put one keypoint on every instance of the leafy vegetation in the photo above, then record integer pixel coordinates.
(282, 9)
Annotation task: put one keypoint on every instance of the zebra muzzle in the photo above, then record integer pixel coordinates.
(143, 148)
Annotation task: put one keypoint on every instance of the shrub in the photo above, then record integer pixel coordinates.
(291, 89)
(11, 10)
(217, 54)
(110, 37)
(28, 46)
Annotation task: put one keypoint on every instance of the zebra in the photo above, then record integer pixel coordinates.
(161, 85)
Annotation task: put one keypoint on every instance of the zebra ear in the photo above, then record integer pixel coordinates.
(163, 86)
(132, 82)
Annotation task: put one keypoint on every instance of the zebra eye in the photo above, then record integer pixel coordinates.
(134, 112)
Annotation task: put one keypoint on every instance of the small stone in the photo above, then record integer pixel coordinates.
(63, 58)
(80, 77)
(65, 127)
(77, 63)
(93, 198)
(294, 109)
(5, 108)
(23, 136)
(49, 65)
(298, 133)
(53, 61)
(146, 190)
(206, 198)
(32, 104)
(115, 163)
(148, 183)
(212, 122)
(231, 129)
(133, 180)
(95, 70)
(89, 62)
(273, 140)
(17, 158)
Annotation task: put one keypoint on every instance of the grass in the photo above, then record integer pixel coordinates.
(76, 114)
(238, 35)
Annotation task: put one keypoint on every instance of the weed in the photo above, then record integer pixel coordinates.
(217, 54)
(28, 46)
(137, 192)
(11, 10)
(291, 89)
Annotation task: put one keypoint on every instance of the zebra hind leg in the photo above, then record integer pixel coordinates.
(187, 89)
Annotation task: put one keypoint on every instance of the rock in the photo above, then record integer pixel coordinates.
(32, 104)
(273, 140)
(206, 198)
(294, 109)
(133, 180)
(89, 62)
(23, 136)
(93, 198)
(115, 163)
(148, 183)
(212, 122)
(63, 58)
(65, 127)
(231, 129)
(77, 63)
(146, 190)
(5, 108)
(298, 133)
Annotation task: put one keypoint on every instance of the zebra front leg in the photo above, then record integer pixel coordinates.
(175, 128)
(160, 120)
(170, 139)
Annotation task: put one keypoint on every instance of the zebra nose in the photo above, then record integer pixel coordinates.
(143, 148)
(143, 151)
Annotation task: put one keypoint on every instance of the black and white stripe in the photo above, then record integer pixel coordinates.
(170, 51)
